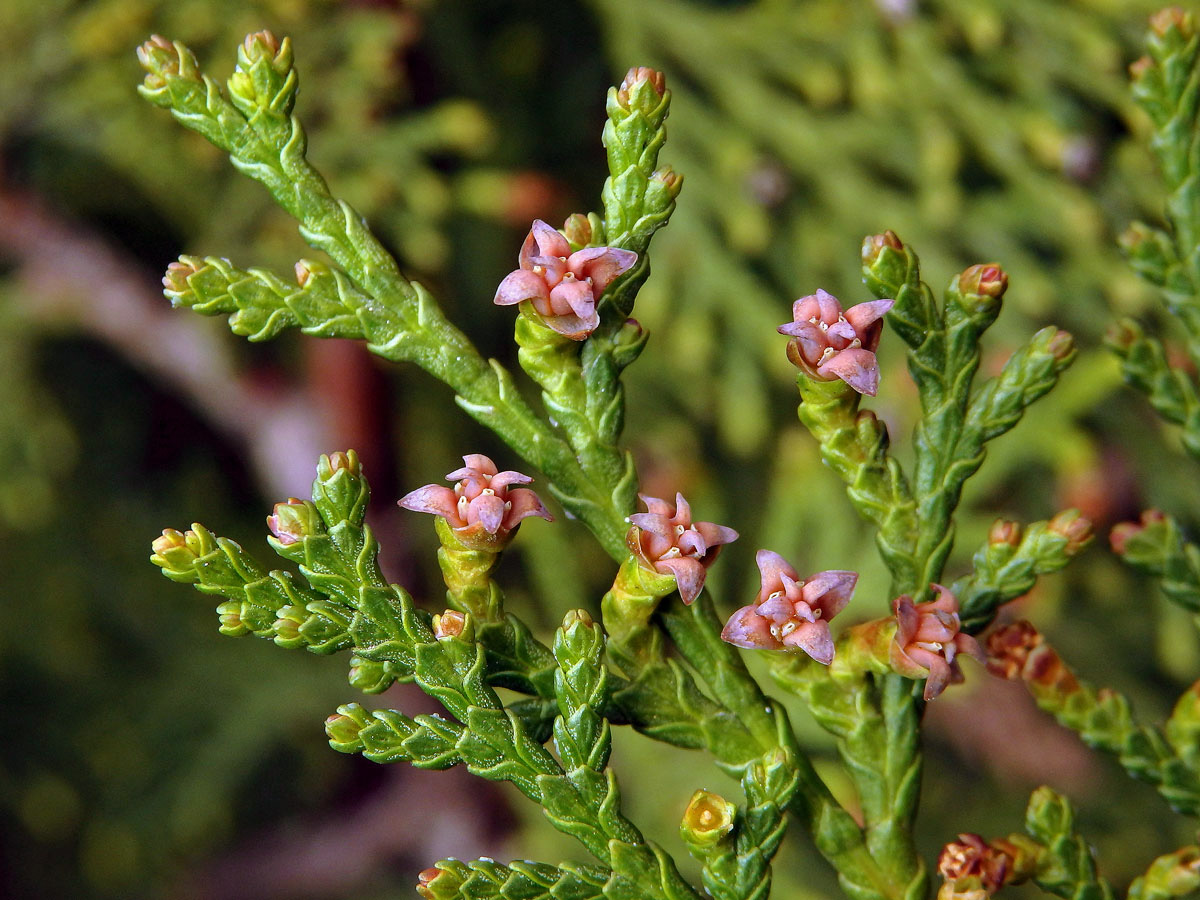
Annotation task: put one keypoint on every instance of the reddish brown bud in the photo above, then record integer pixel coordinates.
(1062, 345)
(1164, 20)
(176, 278)
(1140, 66)
(260, 43)
(450, 624)
(1121, 534)
(425, 879)
(637, 76)
(874, 244)
(1004, 532)
(1008, 649)
(303, 273)
(348, 461)
(1075, 527)
(973, 857)
(986, 280)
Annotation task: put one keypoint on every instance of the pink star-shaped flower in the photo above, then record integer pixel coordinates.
(563, 287)
(666, 540)
(830, 343)
(482, 507)
(929, 639)
(791, 613)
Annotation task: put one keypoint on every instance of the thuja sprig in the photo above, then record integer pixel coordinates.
(1155, 545)
(1174, 874)
(943, 357)
(364, 295)
(484, 879)
(1102, 718)
(1009, 562)
(1052, 854)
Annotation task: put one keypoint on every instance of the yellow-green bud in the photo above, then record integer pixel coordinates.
(707, 820)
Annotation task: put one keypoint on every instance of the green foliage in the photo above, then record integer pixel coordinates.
(1066, 867)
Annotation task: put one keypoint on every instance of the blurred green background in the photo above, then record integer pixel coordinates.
(144, 755)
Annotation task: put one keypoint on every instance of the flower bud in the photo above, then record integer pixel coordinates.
(1140, 67)
(578, 230)
(177, 551)
(452, 624)
(287, 626)
(163, 59)
(369, 676)
(629, 343)
(175, 281)
(707, 820)
(259, 45)
(874, 245)
(632, 88)
(577, 617)
(1075, 527)
(1008, 649)
(294, 520)
(229, 614)
(1172, 18)
(344, 726)
(425, 882)
(347, 462)
(1004, 532)
(671, 180)
(1062, 345)
(1149, 251)
(987, 280)
(340, 492)
(1122, 335)
(1122, 534)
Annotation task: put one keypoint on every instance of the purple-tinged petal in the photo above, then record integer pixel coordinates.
(543, 240)
(716, 535)
(489, 510)
(503, 479)
(778, 609)
(864, 315)
(691, 543)
(657, 506)
(520, 286)
(810, 338)
(858, 368)
(435, 499)
(939, 677)
(770, 566)
(524, 503)
(603, 265)
(830, 590)
(841, 332)
(806, 308)
(689, 576)
(480, 463)
(965, 643)
(814, 639)
(654, 523)
(572, 297)
(574, 327)
(683, 511)
(829, 305)
(747, 629)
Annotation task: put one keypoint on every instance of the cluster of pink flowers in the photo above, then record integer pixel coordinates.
(562, 286)
(830, 343)
(791, 613)
(665, 539)
(483, 507)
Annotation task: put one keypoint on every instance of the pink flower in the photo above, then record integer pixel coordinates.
(928, 641)
(667, 541)
(482, 508)
(563, 287)
(830, 343)
(791, 613)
